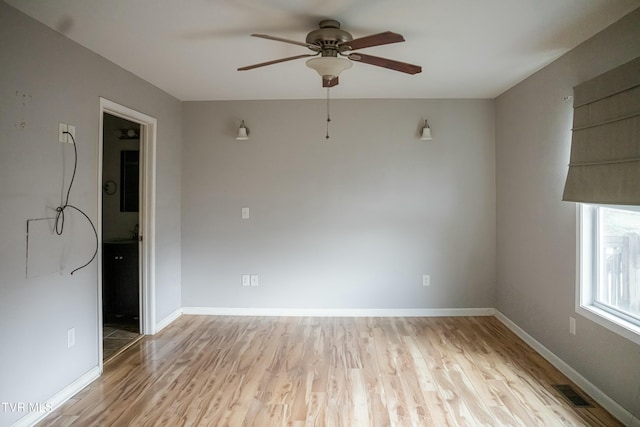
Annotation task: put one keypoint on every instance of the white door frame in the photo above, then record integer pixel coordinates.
(148, 131)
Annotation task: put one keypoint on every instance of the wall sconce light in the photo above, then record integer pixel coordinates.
(243, 132)
(425, 134)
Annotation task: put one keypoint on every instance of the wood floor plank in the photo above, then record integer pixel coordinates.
(321, 372)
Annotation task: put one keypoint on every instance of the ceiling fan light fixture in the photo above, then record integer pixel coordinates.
(329, 66)
(335, 48)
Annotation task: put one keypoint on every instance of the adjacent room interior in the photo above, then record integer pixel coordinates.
(120, 234)
(201, 223)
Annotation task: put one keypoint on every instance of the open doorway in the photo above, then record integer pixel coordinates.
(126, 227)
(121, 311)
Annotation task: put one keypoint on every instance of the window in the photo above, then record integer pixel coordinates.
(609, 279)
(604, 170)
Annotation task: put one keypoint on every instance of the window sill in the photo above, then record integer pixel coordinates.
(607, 320)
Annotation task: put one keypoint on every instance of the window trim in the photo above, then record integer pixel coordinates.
(586, 235)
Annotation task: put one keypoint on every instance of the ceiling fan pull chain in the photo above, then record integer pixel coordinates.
(328, 116)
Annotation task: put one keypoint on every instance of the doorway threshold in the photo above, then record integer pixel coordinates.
(116, 345)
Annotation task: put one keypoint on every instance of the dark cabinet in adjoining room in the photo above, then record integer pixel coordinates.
(120, 282)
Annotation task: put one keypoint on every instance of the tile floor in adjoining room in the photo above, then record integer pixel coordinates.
(116, 337)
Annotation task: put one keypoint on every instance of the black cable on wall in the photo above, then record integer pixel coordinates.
(60, 210)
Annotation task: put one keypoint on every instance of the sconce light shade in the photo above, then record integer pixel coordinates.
(425, 135)
(329, 65)
(243, 132)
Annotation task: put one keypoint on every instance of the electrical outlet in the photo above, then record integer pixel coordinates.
(62, 136)
(72, 130)
(254, 280)
(426, 280)
(71, 337)
(245, 280)
(572, 326)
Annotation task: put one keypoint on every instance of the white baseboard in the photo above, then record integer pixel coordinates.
(167, 320)
(598, 395)
(59, 398)
(340, 312)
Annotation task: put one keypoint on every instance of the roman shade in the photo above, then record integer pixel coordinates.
(605, 144)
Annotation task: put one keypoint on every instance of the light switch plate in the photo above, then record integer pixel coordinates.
(72, 130)
(254, 280)
(245, 213)
(245, 280)
(71, 337)
(62, 136)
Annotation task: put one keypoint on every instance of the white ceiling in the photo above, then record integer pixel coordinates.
(191, 49)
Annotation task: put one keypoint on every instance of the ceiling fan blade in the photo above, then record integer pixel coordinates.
(280, 39)
(330, 82)
(386, 63)
(373, 40)
(275, 61)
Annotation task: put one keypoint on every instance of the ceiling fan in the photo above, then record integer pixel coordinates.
(333, 48)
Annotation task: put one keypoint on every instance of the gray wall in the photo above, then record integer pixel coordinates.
(536, 231)
(348, 223)
(46, 79)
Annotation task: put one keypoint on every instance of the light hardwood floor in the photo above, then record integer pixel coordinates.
(286, 371)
